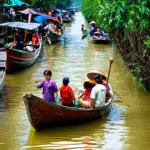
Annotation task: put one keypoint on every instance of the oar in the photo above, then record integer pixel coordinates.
(84, 36)
(110, 64)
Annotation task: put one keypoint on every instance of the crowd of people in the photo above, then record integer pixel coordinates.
(96, 92)
(28, 41)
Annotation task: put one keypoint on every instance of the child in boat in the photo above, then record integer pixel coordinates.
(66, 93)
(84, 96)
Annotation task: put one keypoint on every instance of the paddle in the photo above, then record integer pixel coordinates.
(84, 36)
(110, 64)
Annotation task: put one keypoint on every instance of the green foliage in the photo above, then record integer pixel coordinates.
(128, 23)
(147, 43)
(138, 78)
(118, 14)
(47, 4)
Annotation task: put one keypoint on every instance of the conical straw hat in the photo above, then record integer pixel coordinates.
(91, 74)
(92, 22)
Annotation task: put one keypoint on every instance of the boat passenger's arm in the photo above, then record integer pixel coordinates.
(40, 85)
(55, 89)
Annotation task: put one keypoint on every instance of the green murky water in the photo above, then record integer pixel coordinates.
(126, 128)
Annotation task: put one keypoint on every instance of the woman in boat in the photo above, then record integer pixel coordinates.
(66, 93)
(49, 87)
(84, 96)
(93, 26)
(35, 39)
(98, 94)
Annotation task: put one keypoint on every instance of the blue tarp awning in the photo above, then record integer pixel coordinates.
(14, 3)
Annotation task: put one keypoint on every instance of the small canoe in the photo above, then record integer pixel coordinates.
(43, 114)
(2, 69)
(99, 41)
(20, 59)
(53, 38)
(68, 21)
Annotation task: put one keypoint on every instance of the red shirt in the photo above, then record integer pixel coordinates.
(87, 94)
(67, 95)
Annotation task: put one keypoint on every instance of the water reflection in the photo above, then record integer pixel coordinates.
(98, 134)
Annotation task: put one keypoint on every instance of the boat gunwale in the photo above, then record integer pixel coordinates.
(25, 98)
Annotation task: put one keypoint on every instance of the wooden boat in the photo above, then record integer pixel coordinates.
(2, 68)
(98, 41)
(53, 38)
(43, 114)
(18, 58)
(68, 21)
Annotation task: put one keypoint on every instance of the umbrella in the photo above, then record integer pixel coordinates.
(29, 12)
(40, 19)
(54, 19)
(14, 3)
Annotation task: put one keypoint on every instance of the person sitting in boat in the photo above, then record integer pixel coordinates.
(57, 28)
(35, 39)
(49, 13)
(66, 16)
(83, 30)
(109, 91)
(66, 93)
(99, 32)
(50, 27)
(98, 93)
(49, 87)
(84, 96)
(93, 26)
(18, 40)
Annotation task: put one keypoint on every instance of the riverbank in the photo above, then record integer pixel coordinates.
(128, 25)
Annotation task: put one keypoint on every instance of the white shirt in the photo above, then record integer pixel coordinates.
(50, 26)
(99, 95)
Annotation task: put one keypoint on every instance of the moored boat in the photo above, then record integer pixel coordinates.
(43, 114)
(99, 41)
(2, 68)
(19, 58)
(53, 38)
(68, 20)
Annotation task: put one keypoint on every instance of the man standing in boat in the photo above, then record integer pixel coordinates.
(49, 87)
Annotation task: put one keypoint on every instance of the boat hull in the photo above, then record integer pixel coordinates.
(68, 21)
(43, 114)
(21, 59)
(95, 41)
(2, 77)
(55, 38)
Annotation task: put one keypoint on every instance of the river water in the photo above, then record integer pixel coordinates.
(127, 127)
